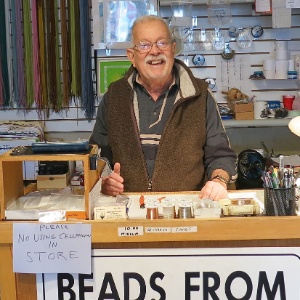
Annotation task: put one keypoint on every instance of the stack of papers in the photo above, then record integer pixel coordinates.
(30, 207)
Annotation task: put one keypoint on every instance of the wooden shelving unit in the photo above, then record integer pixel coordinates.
(11, 175)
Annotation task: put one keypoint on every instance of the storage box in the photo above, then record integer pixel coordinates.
(242, 107)
(53, 181)
(248, 115)
(75, 180)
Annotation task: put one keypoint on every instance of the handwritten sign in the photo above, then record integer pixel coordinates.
(51, 248)
(130, 231)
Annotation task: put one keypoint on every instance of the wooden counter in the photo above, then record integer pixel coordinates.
(230, 232)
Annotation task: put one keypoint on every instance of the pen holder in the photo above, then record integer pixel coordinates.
(280, 201)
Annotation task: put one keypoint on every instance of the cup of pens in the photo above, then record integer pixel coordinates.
(279, 201)
(280, 190)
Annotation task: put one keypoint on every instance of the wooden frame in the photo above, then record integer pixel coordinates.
(108, 71)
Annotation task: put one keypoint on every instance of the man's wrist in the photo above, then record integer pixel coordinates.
(220, 178)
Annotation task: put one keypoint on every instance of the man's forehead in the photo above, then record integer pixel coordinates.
(145, 30)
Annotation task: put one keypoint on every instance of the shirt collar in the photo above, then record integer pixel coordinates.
(136, 81)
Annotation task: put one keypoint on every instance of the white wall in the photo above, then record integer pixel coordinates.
(72, 124)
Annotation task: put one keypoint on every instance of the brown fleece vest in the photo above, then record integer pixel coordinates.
(179, 162)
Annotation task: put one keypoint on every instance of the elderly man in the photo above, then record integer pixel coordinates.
(159, 125)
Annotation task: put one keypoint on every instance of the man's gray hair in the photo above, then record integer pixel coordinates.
(147, 18)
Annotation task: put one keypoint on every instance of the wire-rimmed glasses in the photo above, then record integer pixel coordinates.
(144, 46)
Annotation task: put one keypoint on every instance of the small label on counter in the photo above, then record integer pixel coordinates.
(158, 230)
(130, 231)
(186, 229)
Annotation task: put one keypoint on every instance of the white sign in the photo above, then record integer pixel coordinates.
(51, 248)
(293, 3)
(262, 5)
(181, 274)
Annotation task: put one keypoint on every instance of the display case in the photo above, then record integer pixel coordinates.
(11, 175)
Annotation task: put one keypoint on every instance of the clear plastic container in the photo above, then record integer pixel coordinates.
(296, 103)
(206, 208)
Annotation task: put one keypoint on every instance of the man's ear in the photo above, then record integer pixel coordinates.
(130, 55)
(174, 47)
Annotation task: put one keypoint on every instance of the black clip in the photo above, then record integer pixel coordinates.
(93, 161)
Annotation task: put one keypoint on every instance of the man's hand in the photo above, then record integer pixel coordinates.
(112, 185)
(214, 191)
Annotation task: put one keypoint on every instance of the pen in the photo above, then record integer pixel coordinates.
(281, 162)
(266, 177)
(286, 179)
(281, 171)
(274, 178)
(292, 178)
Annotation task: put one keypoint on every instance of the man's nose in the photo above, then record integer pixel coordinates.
(155, 48)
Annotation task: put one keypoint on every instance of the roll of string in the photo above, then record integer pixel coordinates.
(75, 48)
(65, 46)
(43, 101)
(87, 95)
(18, 55)
(28, 53)
(36, 61)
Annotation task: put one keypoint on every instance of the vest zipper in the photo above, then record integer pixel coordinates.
(150, 186)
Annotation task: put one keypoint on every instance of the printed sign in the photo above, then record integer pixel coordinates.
(181, 274)
(51, 248)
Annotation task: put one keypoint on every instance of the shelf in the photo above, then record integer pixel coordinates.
(294, 82)
(256, 123)
(264, 79)
(11, 175)
(204, 2)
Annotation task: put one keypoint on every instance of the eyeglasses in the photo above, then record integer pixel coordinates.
(144, 47)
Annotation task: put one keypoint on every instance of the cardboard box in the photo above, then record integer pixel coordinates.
(242, 107)
(248, 115)
(75, 180)
(53, 181)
